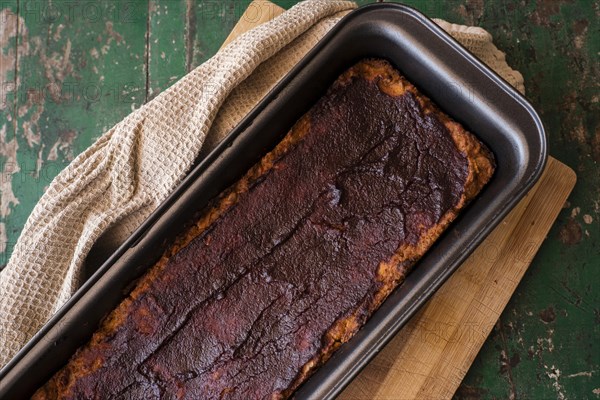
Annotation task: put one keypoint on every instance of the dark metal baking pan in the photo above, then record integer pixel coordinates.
(460, 84)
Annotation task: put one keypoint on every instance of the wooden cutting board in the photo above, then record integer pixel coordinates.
(431, 355)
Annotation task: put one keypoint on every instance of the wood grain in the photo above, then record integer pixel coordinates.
(430, 356)
(258, 12)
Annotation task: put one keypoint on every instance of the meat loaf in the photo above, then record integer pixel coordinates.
(289, 263)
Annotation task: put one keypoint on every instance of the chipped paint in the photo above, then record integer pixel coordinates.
(8, 149)
(518, 331)
(582, 373)
(12, 25)
(13, 45)
(554, 374)
(580, 28)
(545, 10)
(465, 392)
(64, 145)
(548, 315)
(508, 363)
(531, 352)
(571, 232)
(56, 67)
(31, 130)
(595, 143)
(39, 161)
(545, 343)
(471, 11)
(587, 218)
(8, 31)
(58, 33)
(505, 363)
(3, 237)
(112, 36)
(579, 133)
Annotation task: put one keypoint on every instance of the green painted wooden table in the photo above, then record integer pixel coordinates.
(69, 70)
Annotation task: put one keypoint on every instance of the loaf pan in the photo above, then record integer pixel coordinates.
(442, 69)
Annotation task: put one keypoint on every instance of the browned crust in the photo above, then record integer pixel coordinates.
(79, 365)
(390, 273)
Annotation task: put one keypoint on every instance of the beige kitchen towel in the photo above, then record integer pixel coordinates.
(109, 189)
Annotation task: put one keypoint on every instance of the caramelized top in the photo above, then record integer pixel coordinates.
(240, 310)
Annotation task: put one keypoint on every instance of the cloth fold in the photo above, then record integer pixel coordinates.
(113, 186)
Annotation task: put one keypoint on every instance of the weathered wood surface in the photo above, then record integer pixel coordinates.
(71, 69)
